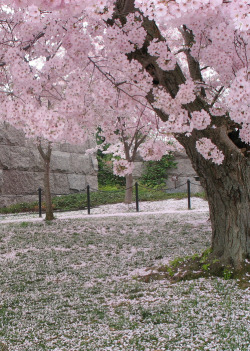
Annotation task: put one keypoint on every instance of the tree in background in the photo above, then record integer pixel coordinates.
(33, 95)
(186, 60)
(128, 135)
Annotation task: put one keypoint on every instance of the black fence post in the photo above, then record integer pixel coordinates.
(88, 198)
(189, 194)
(40, 201)
(137, 197)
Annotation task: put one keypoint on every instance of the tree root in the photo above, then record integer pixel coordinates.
(194, 267)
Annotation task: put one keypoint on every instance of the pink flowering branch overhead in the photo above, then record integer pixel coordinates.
(187, 60)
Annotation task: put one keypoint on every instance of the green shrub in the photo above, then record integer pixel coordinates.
(105, 171)
(155, 173)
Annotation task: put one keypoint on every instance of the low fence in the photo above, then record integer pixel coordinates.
(88, 191)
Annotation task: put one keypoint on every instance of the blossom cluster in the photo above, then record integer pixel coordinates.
(200, 119)
(153, 150)
(179, 120)
(62, 75)
(122, 167)
(166, 59)
(209, 150)
(239, 103)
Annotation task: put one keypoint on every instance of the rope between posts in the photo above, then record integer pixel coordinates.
(102, 191)
(107, 191)
(193, 183)
(162, 189)
(11, 195)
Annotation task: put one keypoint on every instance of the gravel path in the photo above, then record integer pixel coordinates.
(117, 210)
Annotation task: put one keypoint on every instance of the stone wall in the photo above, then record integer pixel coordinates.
(176, 177)
(21, 168)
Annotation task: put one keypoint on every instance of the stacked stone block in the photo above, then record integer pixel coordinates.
(21, 168)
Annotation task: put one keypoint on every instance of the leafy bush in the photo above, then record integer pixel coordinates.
(105, 172)
(155, 173)
(20, 207)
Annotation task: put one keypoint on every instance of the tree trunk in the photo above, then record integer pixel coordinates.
(227, 188)
(227, 185)
(48, 200)
(46, 181)
(129, 189)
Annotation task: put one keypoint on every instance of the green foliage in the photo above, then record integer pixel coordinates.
(205, 266)
(201, 265)
(105, 171)
(205, 255)
(195, 256)
(170, 271)
(24, 224)
(177, 261)
(21, 207)
(227, 273)
(105, 168)
(70, 202)
(155, 174)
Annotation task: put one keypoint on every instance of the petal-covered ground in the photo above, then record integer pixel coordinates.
(74, 284)
(165, 206)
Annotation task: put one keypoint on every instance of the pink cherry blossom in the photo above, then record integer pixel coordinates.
(122, 167)
(209, 150)
(62, 57)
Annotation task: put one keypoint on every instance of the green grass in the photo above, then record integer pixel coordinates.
(105, 195)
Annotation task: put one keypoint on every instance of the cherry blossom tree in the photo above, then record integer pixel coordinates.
(139, 132)
(32, 95)
(188, 59)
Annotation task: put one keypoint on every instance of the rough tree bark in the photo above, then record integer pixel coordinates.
(228, 192)
(228, 185)
(129, 189)
(46, 156)
(130, 150)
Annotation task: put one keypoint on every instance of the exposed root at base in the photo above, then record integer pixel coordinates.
(195, 267)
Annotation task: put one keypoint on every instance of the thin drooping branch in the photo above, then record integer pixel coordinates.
(118, 85)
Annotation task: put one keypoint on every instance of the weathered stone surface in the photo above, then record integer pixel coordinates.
(5, 157)
(59, 184)
(17, 182)
(177, 177)
(94, 164)
(7, 200)
(36, 162)
(76, 149)
(19, 158)
(138, 169)
(92, 182)
(11, 136)
(1, 179)
(21, 168)
(60, 161)
(81, 164)
(77, 182)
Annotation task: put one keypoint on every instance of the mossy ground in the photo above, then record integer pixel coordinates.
(199, 266)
